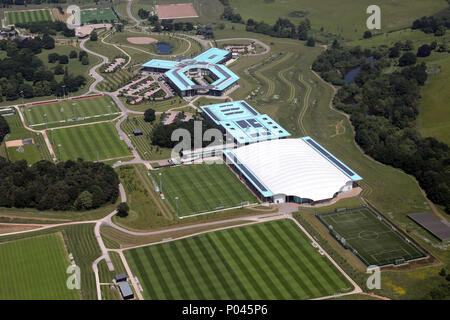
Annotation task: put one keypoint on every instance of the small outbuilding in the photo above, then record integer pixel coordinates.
(138, 132)
(125, 290)
(120, 277)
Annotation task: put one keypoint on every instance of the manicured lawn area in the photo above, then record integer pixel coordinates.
(374, 240)
(99, 15)
(32, 153)
(35, 268)
(13, 17)
(71, 112)
(272, 260)
(89, 142)
(202, 188)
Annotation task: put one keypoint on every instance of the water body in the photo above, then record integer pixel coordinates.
(164, 48)
(350, 76)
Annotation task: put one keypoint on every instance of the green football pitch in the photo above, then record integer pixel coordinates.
(35, 268)
(90, 142)
(70, 112)
(90, 15)
(201, 188)
(13, 17)
(375, 241)
(271, 260)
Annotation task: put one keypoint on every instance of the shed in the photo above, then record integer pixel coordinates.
(137, 132)
(125, 290)
(120, 277)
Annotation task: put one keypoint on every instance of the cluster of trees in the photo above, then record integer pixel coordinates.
(436, 25)
(67, 185)
(49, 27)
(206, 31)
(383, 108)
(162, 134)
(442, 290)
(283, 28)
(23, 73)
(165, 25)
(4, 128)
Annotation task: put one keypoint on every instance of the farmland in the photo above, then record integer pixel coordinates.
(89, 142)
(272, 260)
(35, 268)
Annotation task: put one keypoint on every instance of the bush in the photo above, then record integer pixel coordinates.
(311, 42)
(93, 36)
(407, 59)
(424, 51)
(367, 35)
(63, 59)
(53, 57)
(149, 115)
(123, 209)
(73, 54)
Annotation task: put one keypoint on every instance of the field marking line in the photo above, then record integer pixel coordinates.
(356, 289)
(130, 275)
(291, 86)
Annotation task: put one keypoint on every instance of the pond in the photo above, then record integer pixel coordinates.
(164, 48)
(350, 76)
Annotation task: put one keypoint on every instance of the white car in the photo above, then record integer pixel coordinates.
(321, 252)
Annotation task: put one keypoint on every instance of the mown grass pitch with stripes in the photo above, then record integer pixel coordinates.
(35, 268)
(375, 242)
(201, 188)
(98, 14)
(114, 80)
(90, 142)
(13, 17)
(70, 112)
(271, 260)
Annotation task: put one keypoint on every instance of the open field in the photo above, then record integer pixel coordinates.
(71, 112)
(31, 153)
(89, 142)
(272, 260)
(434, 115)
(208, 10)
(373, 240)
(35, 268)
(99, 14)
(346, 19)
(13, 17)
(202, 188)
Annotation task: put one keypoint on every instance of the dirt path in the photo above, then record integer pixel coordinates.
(305, 104)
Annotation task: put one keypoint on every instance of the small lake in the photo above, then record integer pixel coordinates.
(164, 48)
(350, 76)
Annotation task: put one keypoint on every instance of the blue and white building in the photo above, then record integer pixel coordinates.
(179, 74)
(291, 170)
(242, 124)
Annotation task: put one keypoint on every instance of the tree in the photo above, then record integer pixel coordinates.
(59, 69)
(424, 51)
(123, 209)
(407, 59)
(4, 128)
(48, 42)
(84, 201)
(85, 60)
(93, 36)
(311, 42)
(442, 273)
(367, 34)
(63, 59)
(53, 57)
(73, 54)
(149, 115)
(394, 52)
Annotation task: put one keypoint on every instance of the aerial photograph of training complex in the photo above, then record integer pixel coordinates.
(225, 150)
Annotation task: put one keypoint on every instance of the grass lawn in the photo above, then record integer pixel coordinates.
(142, 144)
(89, 142)
(272, 260)
(31, 153)
(434, 115)
(202, 188)
(346, 18)
(71, 112)
(35, 268)
(100, 14)
(13, 17)
(374, 240)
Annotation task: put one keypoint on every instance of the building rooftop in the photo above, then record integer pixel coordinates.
(176, 70)
(244, 123)
(292, 167)
(125, 289)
